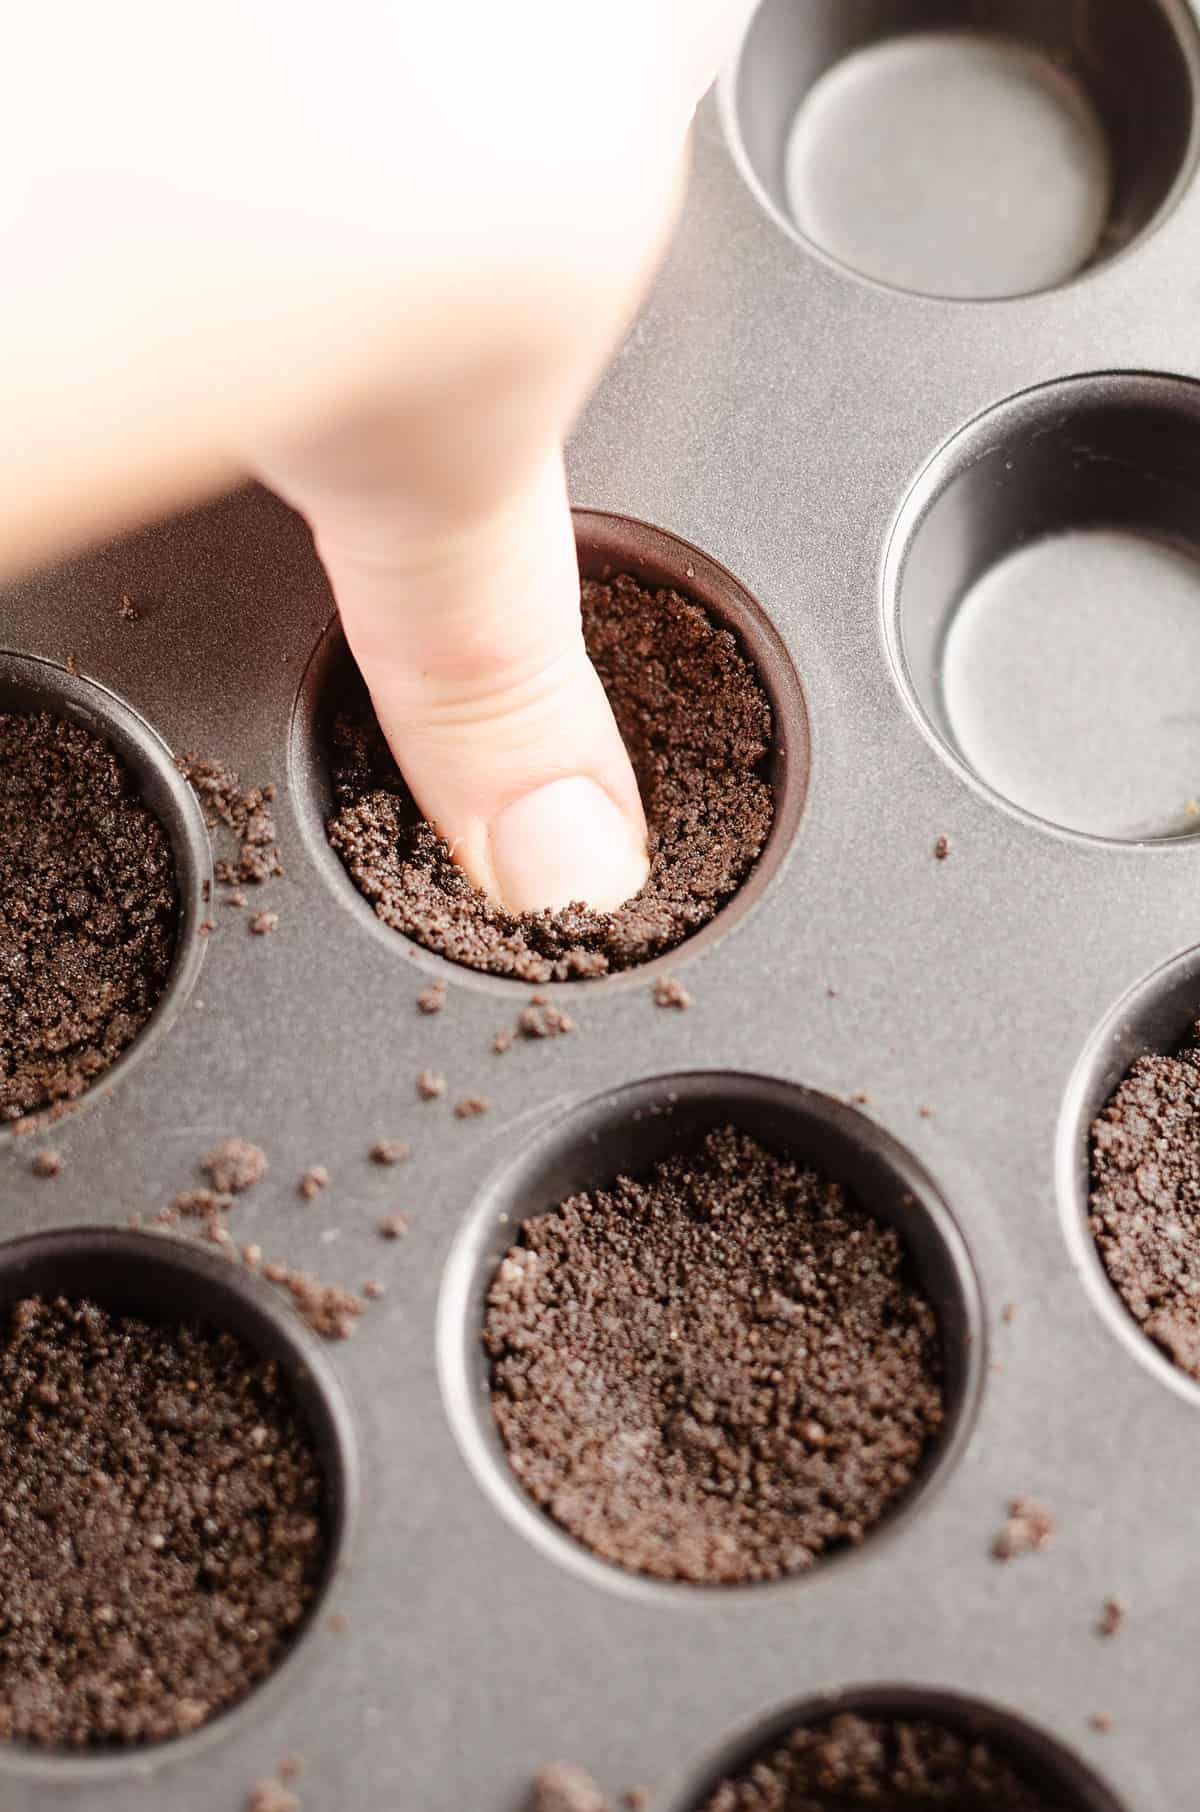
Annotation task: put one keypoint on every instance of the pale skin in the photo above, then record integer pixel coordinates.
(377, 254)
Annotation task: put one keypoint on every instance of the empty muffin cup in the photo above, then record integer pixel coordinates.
(967, 153)
(684, 1177)
(1042, 597)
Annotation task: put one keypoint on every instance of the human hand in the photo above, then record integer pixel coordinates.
(382, 259)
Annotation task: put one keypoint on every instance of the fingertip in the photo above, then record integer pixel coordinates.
(564, 843)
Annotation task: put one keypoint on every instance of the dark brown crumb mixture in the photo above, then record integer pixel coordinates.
(244, 811)
(1145, 1186)
(881, 1763)
(88, 911)
(1029, 1529)
(698, 728)
(560, 1788)
(718, 1372)
(160, 1524)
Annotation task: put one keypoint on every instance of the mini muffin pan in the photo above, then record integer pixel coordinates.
(926, 437)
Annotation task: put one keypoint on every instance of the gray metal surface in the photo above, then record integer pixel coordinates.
(775, 411)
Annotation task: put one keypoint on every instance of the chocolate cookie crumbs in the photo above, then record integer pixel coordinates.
(698, 728)
(433, 998)
(430, 1085)
(542, 1019)
(244, 812)
(127, 610)
(234, 1165)
(264, 922)
(561, 1788)
(313, 1181)
(88, 912)
(849, 1761)
(716, 1373)
(172, 1467)
(1112, 1616)
(389, 1151)
(47, 1163)
(472, 1107)
(671, 993)
(941, 848)
(1029, 1529)
(1145, 1149)
(395, 1226)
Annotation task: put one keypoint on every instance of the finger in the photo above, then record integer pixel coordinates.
(472, 647)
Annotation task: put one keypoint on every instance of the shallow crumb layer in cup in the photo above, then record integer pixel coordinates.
(161, 1523)
(698, 726)
(718, 1372)
(89, 910)
(864, 1759)
(1145, 1181)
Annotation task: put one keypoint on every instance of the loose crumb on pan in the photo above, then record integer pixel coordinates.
(272, 1796)
(433, 998)
(373, 1289)
(558, 1787)
(315, 1178)
(1008, 1313)
(233, 1165)
(292, 1766)
(698, 727)
(262, 923)
(47, 1163)
(637, 1799)
(542, 1019)
(339, 1623)
(668, 992)
(1029, 1528)
(472, 1107)
(851, 1760)
(127, 610)
(1112, 1616)
(395, 1226)
(503, 1041)
(389, 1151)
(715, 1372)
(941, 848)
(1100, 1722)
(431, 1084)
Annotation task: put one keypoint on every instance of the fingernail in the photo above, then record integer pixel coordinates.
(566, 841)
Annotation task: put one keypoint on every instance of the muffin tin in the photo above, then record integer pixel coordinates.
(832, 465)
